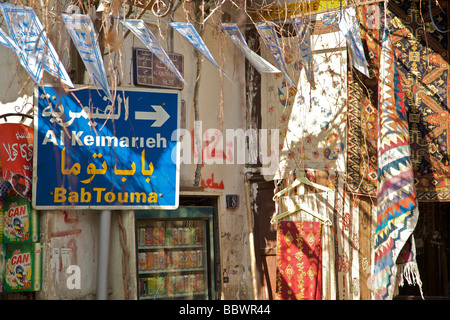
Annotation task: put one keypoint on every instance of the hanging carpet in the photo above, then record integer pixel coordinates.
(397, 210)
(422, 56)
(299, 261)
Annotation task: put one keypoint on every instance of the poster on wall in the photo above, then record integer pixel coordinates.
(16, 154)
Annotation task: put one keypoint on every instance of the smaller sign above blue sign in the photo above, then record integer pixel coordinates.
(149, 71)
(91, 153)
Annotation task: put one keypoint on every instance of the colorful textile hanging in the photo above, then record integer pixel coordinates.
(312, 122)
(422, 56)
(363, 109)
(299, 261)
(423, 64)
(397, 209)
(329, 206)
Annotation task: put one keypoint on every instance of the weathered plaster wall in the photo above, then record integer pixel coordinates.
(71, 237)
(221, 106)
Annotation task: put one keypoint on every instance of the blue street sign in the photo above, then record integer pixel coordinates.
(91, 153)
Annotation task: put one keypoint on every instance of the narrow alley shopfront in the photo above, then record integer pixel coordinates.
(100, 176)
(240, 175)
(329, 134)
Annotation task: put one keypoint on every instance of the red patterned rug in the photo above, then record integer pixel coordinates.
(299, 261)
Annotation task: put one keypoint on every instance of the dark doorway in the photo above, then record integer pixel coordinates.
(433, 245)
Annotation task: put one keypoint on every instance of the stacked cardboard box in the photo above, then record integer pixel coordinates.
(20, 250)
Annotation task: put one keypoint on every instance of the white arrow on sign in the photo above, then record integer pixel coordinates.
(160, 116)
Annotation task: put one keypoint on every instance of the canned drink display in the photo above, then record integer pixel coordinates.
(142, 260)
(155, 232)
(174, 256)
(161, 236)
(151, 286)
(174, 234)
(194, 258)
(199, 282)
(171, 258)
(180, 284)
(199, 258)
(188, 259)
(183, 259)
(192, 283)
(172, 285)
(141, 236)
(148, 236)
(168, 238)
(160, 287)
(186, 283)
(150, 261)
(186, 236)
(192, 236)
(142, 287)
(199, 235)
(180, 236)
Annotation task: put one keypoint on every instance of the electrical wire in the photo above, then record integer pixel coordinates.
(432, 20)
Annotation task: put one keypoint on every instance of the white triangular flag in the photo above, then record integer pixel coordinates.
(231, 29)
(6, 41)
(238, 39)
(141, 31)
(304, 34)
(82, 32)
(35, 53)
(269, 36)
(188, 31)
(349, 27)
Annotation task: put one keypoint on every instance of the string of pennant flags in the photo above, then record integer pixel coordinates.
(36, 54)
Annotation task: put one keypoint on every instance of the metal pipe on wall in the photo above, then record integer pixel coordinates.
(103, 254)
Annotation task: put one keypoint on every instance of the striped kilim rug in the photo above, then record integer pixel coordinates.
(397, 208)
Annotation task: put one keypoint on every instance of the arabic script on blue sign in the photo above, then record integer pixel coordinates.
(91, 153)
